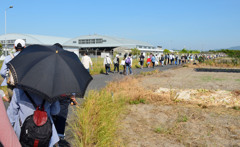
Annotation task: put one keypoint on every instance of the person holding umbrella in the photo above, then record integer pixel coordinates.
(45, 73)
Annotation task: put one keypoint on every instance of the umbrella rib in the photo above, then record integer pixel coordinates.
(72, 72)
(37, 62)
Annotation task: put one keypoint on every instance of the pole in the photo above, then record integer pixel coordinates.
(5, 42)
(5, 30)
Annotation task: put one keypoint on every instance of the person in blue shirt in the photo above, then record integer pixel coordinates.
(21, 107)
(153, 59)
(19, 45)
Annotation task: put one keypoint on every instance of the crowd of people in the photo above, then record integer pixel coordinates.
(153, 60)
(22, 104)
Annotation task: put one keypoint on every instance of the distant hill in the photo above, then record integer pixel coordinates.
(234, 48)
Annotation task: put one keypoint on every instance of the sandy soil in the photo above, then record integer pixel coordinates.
(188, 122)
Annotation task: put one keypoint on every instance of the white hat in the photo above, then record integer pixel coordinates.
(19, 43)
(117, 55)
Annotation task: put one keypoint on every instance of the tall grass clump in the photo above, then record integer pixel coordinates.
(95, 123)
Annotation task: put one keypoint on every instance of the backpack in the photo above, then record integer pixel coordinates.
(10, 80)
(115, 60)
(37, 128)
(128, 61)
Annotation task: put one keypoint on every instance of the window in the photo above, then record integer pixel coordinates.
(91, 41)
(74, 41)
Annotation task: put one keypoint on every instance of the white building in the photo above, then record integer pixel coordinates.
(94, 44)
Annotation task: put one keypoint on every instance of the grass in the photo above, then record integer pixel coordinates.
(236, 108)
(222, 62)
(140, 101)
(238, 80)
(149, 72)
(160, 130)
(95, 123)
(182, 118)
(210, 78)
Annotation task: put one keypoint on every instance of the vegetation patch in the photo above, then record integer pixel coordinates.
(95, 123)
(140, 101)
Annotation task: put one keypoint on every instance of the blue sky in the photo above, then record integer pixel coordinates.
(174, 24)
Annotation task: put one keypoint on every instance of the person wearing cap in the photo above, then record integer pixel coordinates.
(107, 62)
(116, 63)
(19, 45)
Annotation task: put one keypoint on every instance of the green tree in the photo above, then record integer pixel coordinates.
(166, 51)
(135, 51)
(184, 51)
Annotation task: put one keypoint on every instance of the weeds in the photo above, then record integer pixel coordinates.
(236, 108)
(182, 118)
(140, 101)
(95, 122)
(149, 72)
(222, 62)
(159, 130)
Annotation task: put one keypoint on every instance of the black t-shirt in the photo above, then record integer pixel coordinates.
(141, 58)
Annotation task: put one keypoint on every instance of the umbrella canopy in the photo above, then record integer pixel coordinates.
(49, 71)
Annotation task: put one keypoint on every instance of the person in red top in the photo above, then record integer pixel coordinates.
(148, 61)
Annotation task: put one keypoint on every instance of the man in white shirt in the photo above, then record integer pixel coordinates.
(86, 60)
(107, 62)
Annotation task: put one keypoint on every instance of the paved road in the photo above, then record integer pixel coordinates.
(101, 80)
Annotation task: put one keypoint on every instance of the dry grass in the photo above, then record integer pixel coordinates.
(130, 88)
(95, 123)
(218, 63)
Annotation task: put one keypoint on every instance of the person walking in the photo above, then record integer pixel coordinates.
(19, 45)
(124, 64)
(179, 59)
(166, 58)
(107, 62)
(116, 63)
(162, 60)
(153, 59)
(86, 60)
(21, 107)
(141, 60)
(176, 60)
(148, 61)
(61, 118)
(128, 62)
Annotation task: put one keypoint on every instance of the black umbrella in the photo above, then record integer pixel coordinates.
(49, 71)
